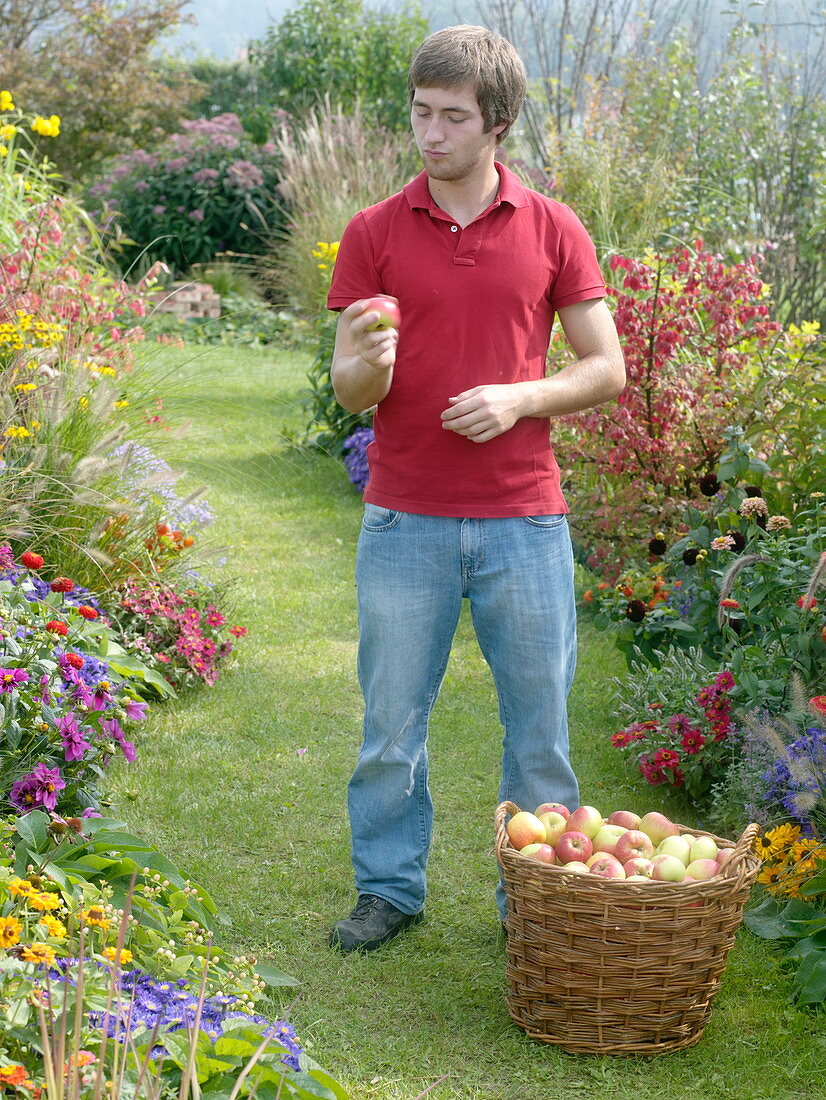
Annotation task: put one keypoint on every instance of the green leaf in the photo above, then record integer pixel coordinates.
(810, 980)
(274, 977)
(765, 921)
(131, 668)
(32, 828)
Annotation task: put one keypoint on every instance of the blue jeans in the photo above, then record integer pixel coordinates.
(412, 572)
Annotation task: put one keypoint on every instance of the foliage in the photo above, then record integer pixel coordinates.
(701, 353)
(793, 914)
(226, 86)
(124, 946)
(66, 693)
(95, 59)
(332, 165)
(739, 583)
(179, 631)
(205, 190)
(676, 734)
(342, 49)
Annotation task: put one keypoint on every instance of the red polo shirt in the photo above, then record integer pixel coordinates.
(477, 307)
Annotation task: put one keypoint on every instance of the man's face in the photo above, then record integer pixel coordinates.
(449, 131)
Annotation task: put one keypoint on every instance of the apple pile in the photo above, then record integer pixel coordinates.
(622, 846)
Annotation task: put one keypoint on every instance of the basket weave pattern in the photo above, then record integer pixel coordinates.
(600, 966)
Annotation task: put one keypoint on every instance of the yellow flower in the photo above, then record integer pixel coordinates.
(781, 837)
(6, 101)
(15, 1075)
(44, 901)
(16, 431)
(55, 928)
(25, 387)
(46, 127)
(123, 404)
(7, 131)
(38, 953)
(95, 915)
(21, 887)
(10, 929)
(113, 955)
(3, 151)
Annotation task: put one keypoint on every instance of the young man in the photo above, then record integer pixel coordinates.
(464, 498)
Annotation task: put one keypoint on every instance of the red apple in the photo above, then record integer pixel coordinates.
(638, 866)
(657, 827)
(388, 310)
(667, 868)
(702, 869)
(586, 819)
(627, 818)
(555, 825)
(606, 866)
(679, 846)
(553, 807)
(542, 853)
(724, 855)
(637, 878)
(633, 842)
(573, 847)
(525, 828)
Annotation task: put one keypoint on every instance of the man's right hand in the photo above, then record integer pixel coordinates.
(362, 367)
(376, 348)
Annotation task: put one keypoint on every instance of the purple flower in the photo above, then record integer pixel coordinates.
(244, 175)
(111, 727)
(206, 175)
(196, 215)
(10, 678)
(39, 788)
(355, 456)
(135, 710)
(6, 558)
(74, 743)
(158, 210)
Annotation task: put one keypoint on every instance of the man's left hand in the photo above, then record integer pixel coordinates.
(484, 412)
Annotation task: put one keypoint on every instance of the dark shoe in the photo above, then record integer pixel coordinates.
(373, 922)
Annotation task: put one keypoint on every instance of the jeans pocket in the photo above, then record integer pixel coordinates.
(557, 520)
(377, 518)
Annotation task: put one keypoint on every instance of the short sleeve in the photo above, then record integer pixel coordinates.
(579, 277)
(354, 273)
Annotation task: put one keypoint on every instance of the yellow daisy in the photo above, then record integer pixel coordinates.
(10, 929)
(38, 953)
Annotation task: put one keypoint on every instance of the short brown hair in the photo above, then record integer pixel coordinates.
(473, 56)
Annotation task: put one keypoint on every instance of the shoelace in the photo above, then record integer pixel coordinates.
(365, 906)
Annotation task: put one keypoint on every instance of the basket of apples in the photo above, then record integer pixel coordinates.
(618, 928)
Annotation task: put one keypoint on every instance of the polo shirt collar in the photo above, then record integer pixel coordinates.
(511, 191)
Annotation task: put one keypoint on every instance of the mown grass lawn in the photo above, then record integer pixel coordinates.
(244, 786)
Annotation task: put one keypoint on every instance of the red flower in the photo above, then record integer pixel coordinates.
(75, 660)
(87, 612)
(55, 626)
(807, 605)
(666, 758)
(817, 704)
(587, 596)
(730, 603)
(692, 741)
(238, 631)
(62, 584)
(31, 560)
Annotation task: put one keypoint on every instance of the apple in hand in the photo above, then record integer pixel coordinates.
(553, 807)
(586, 819)
(627, 818)
(657, 827)
(555, 825)
(678, 846)
(667, 868)
(605, 865)
(525, 828)
(388, 310)
(633, 842)
(573, 847)
(542, 853)
(638, 867)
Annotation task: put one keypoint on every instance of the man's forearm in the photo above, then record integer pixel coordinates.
(582, 384)
(358, 385)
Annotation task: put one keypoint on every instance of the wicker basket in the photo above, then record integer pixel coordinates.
(609, 967)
